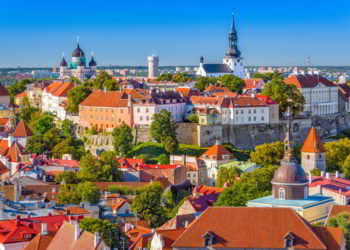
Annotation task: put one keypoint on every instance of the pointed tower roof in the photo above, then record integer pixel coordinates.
(78, 52)
(313, 143)
(63, 63)
(92, 62)
(22, 130)
(233, 41)
(216, 152)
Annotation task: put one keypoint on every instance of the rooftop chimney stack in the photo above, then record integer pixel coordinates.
(44, 230)
(327, 176)
(97, 239)
(77, 230)
(337, 174)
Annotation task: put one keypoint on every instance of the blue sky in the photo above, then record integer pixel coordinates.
(35, 33)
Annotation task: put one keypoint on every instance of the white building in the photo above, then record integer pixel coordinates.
(54, 96)
(153, 66)
(321, 95)
(79, 67)
(232, 62)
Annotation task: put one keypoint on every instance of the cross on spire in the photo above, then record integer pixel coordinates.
(78, 39)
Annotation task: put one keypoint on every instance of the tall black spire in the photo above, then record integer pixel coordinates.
(288, 140)
(232, 40)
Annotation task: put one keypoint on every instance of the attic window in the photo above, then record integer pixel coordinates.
(288, 240)
(209, 239)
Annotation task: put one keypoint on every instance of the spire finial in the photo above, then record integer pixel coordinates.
(92, 53)
(233, 19)
(63, 54)
(78, 40)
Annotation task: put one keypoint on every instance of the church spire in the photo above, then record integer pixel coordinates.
(233, 50)
(288, 140)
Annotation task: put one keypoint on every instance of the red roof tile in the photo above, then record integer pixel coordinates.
(331, 236)
(59, 89)
(105, 99)
(21, 95)
(217, 152)
(313, 143)
(308, 81)
(252, 83)
(212, 88)
(4, 121)
(22, 130)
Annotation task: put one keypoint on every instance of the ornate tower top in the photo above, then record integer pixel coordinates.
(288, 140)
(233, 50)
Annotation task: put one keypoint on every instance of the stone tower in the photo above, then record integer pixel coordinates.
(153, 65)
(313, 152)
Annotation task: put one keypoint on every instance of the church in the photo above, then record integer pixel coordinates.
(79, 67)
(290, 188)
(232, 62)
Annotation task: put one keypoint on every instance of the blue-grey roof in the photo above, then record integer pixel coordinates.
(312, 200)
(217, 68)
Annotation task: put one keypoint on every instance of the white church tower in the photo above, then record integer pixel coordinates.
(233, 57)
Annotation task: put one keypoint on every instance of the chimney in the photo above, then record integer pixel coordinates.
(129, 100)
(322, 173)
(327, 176)
(77, 230)
(217, 142)
(310, 178)
(105, 89)
(97, 239)
(10, 140)
(43, 229)
(337, 174)
(186, 223)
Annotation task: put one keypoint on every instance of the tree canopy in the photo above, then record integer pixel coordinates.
(178, 77)
(336, 154)
(268, 153)
(228, 175)
(233, 83)
(75, 96)
(123, 140)
(163, 126)
(342, 220)
(267, 77)
(76, 193)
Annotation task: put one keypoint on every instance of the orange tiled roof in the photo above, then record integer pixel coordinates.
(21, 95)
(212, 88)
(134, 94)
(216, 152)
(313, 143)
(15, 151)
(40, 242)
(22, 130)
(3, 121)
(100, 98)
(59, 89)
(169, 236)
(333, 237)
(250, 227)
(208, 189)
(227, 94)
(308, 81)
(119, 204)
(251, 83)
(338, 209)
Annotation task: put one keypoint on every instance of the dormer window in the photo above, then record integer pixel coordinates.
(288, 240)
(209, 239)
(282, 193)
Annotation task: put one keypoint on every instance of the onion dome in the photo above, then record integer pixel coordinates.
(290, 173)
(63, 63)
(78, 52)
(92, 63)
(82, 64)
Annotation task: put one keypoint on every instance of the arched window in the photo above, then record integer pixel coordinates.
(282, 193)
(306, 193)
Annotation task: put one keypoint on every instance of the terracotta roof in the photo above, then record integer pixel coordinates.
(217, 152)
(251, 83)
(73, 211)
(201, 203)
(169, 236)
(338, 209)
(212, 88)
(40, 242)
(3, 169)
(208, 189)
(223, 94)
(4, 121)
(3, 91)
(333, 237)
(134, 94)
(21, 95)
(66, 237)
(308, 81)
(129, 162)
(100, 98)
(228, 102)
(188, 92)
(178, 221)
(59, 89)
(15, 151)
(22, 130)
(250, 227)
(313, 143)
(119, 204)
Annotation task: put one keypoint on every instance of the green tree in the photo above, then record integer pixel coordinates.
(260, 178)
(75, 96)
(267, 77)
(64, 147)
(67, 128)
(44, 124)
(111, 85)
(228, 175)
(203, 82)
(342, 220)
(110, 233)
(68, 194)
(268, 153)
(89, 192)
(68, 177)
(123, 139)
(36, 144)
(315, 172)
(336, 153)
(170, 144)
(285, 94)
(147, 205)
(101, 78)
(51, 138)
(233, 83)
(165, 77)
(346, 167)
(163, 126)
(193, 118)
(26, 111)
(163, 159)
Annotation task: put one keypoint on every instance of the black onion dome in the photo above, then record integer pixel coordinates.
(92, 63)
(78, 52)
(290, 173)
(63, 63)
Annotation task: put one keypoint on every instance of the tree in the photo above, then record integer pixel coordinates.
(111, 85)
(147, 205)
(228, 175)
(89, 192)
(163, 126)
(51, 138)
(336, 153)
(44, 124)
(260, 178)
(163, 159)
(36, 144)
(123, 139)
(101, 79)
(193, 118)
(233, 83)
(68, 177)
(64, 147)
(267, 77)
(268, 153)
(170, 144)
(315, 172)
(285, 94)
(67, 128)
(110, 233)
(75, 96)
(108, 158)
(203, 82)
(68, 194)
(27, 111)
(346, 167)
(165, 77)
(342, 220)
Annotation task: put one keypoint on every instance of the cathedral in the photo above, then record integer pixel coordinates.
(79, 67)
(232, 62)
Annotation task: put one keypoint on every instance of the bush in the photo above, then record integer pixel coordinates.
(163, 159)
(193, 118)
(123, 190)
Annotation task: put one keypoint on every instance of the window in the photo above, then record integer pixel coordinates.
(141, 118)
(254, 111)
(236, 112)
(254, 118)
(308, 157)
(146, 110)
(282, 194)
(262, 118)
(306, 192)
(249, 118)
(320, 156)
(147, 118)
(121, 111)
(189, 175)
(242, 111)
(262, 110)
(249, 111)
